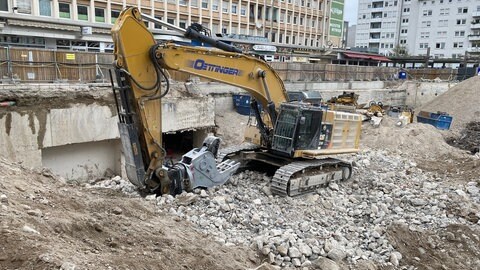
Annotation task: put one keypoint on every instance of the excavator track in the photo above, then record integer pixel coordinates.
(300, 177)
(235, 150)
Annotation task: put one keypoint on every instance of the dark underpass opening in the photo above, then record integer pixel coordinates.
(177, 144)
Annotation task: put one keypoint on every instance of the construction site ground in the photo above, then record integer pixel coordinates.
(413, 203)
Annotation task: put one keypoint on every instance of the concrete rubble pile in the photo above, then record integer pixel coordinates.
(342, 223)
(469, 138)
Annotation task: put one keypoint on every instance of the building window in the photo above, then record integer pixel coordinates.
(301, 20)
(182, 2)
(234, 8)
(182, 24)
(215, 5)
(45, 7)
(157, 25)
(406, 10)
(243, 10)
(459, 33)
(194, 3)
(114, 15)
(225, 7)
(4, 5)
(427, 13)
(24, 6)
(404, 20)
(403, 31)
(295, 20)
(64, 10)
(425, 35)
(443, 23)
(440, 45)
(82, 13)
(426, 23)
(462, 10)
(99, 15)
(171, 21)
(204, 3)
(461, 21)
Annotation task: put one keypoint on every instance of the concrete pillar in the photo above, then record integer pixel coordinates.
(75, 10)
(55, 9)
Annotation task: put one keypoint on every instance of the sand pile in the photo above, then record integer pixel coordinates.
(461, 101)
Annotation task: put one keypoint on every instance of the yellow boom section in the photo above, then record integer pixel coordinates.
(240, 70)
(133, 42)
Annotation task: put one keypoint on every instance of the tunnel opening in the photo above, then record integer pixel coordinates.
(176, 144)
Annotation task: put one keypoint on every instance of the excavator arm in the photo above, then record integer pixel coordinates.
(140, 82)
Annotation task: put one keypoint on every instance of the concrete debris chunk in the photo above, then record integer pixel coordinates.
(29, 229)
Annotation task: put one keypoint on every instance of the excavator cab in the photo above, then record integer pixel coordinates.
(298, 127)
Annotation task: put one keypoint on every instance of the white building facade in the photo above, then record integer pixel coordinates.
(440, 28)
(58, 24)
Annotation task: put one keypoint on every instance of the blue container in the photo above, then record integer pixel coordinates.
(242, 104)
(438, 120)
(402, 75)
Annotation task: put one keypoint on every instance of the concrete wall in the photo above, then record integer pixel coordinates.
(420, 93)
(82, 161)
(80, 141)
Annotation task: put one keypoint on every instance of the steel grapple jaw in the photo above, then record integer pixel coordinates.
(201, 168)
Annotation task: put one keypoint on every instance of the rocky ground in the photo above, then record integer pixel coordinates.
(369, 221)
(48, 224)
(413, 203)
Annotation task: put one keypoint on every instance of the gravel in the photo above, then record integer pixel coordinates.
(344, 223)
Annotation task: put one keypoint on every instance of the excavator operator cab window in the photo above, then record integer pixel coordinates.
(297, 128)
(308, 130)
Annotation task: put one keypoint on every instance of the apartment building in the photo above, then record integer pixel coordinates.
(85, 24)
(441, 28)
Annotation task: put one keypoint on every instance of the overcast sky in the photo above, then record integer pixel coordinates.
(351, 8)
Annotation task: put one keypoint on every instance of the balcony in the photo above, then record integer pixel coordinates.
(473, 50)
(474, 37)
(475, 26)
(476, 14)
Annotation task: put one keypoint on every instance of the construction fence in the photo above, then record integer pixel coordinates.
(25, 65)
(309, 72)
(45, 66)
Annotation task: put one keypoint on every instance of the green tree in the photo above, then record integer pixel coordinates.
(400, 50)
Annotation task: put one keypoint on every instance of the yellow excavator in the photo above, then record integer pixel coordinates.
(296, 139)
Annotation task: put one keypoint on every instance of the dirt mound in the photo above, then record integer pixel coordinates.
(461, 101)
(469, 139)
(46, 224)
(433, 250)
(413, 140)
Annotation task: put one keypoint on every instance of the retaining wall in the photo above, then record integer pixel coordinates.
(80, 141)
